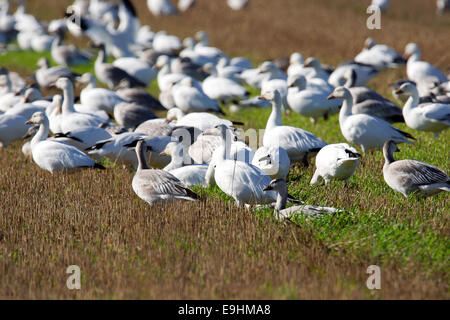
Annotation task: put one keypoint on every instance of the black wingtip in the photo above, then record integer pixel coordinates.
(98, 166)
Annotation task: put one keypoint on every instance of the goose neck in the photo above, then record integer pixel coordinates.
(388, 154)
(346, 109)
(412, 102)
(142, 162)
(67, 105)
(281, 199)
(275, 117)
(42, 133)
(176, 160)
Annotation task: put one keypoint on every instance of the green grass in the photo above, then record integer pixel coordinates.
(377, 221)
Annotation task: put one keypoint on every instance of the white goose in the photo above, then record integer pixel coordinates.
(46, 76)
(363, 73)
(12, 127)
(237, 4)
(335, 161)
(240, 180)
(161, 7)
(199, 120)
(56, 156)
(274, 161)
(317, 70)
(433, 117)
(364, 130)
(380, 56)
(157, 185)
(310, 101)
(137, 68)
(298, 143)
(412, 176)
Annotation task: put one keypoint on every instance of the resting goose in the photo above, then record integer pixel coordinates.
(111, 75)
(364, 130)
(67, 55)
(56, 156)
(280, 187)
(317, 70)
(335, 161)
(46, 76)
(131, 115)
(157, 185)
(155, 128)
(274, 161)
(136, 68)
(310, 101)
(240, 180)
(141, 97)
(199, 120)
(12, 127)
(408, 176)
(98, 98)
(363, 73)
(433, 117)
(298, 143)
(380, 56)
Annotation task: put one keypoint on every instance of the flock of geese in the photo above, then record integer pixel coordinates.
(192, 145)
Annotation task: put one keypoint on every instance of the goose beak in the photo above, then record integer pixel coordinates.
(209, 132)
(307, 65)
(399, 91)
(406, 56)
(164, 153)
(268, 188)
(262, 98)
(331, 96)
(29, 122)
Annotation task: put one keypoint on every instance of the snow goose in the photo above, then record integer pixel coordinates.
(317, 71)
(189, 98)
(298, 143)
(200, 120)
(310, 102)
(204, 49)
(237, 4)
(71, 119)
(12, 127)
(191, 175)
(296, 61)
(363, 73)
(136, 68)
(380, 56)
(335, 161)
(165, 77)
(111, 75)
(166, 44)
(155, 128)
(274, 161)
(224, 70)
(412, 176)
(98, 98)
(222, 89)
(161, 7)
(141, 97)
(420, 71)
(433, 117)
(240, 180)
(157, 185)
(45, 76)
(56, 156)
(67, 55)
(281, 212)
(130, 115)
(364, 130)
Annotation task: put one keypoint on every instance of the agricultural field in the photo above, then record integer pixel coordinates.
(211, 249)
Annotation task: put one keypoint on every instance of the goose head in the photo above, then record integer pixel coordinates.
(43, 63)
(277, 185)
(296, 58)
(412, 49)
(389, 148)
(369, 43)
(339, 92)
(37, 118)
(31, 94)
(189, 43)
(407, 89)
(174, 114)
(271, 95)
(162, 61)
(267, 67)
(173, 149)
(85, 78)
(312, 63)
(202, 37)
(63, 83)
(297, 81)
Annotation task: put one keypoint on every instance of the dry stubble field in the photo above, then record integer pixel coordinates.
(211, 249)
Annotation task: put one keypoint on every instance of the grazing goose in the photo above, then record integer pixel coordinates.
(335, 161)
(71, 119)
(222, 89)
(161, 7)
(191, 175)
(310, 101)
(67, 55)
(98, 98)
(46, 76)
(131, 115)
(189, 98)
(281, 213)
(240, 180)
(157, 185)
(56, 156)
(364, 130)
(274, 161)
(199, 120)
(363, 73)
(298, 143)
(380, 56)
(433, 117)
(420, 71)
(111, 75)
(407, 176)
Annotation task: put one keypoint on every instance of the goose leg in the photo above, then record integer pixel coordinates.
(305, 160)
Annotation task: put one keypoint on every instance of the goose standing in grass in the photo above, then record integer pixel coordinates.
(111, 75)
(56, 156)
(335, 161)
(189, 98)
(408, 176)
(98, 98)
(380, 56)
(281, 212)
(274, 161)
(311, 101)
(157, 185)
(242, 181)
(366, 131)
(433, 117)
(298, 143)
(191, 175)
(45, 76)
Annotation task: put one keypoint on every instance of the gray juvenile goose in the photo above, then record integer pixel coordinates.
(406, 176)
